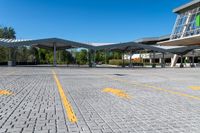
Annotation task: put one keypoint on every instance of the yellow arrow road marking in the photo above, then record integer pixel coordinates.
(156, 88)
(117, 92)
(68, 108)
(5, 92)
(196, 88)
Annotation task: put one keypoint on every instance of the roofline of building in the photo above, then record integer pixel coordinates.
(155, 39)
(186, 6)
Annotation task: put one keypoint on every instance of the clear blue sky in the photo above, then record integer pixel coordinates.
(89, 20)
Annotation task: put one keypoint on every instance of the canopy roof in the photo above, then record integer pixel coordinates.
(186, 41)
(131, 46)
(49, 43)
(2, 43)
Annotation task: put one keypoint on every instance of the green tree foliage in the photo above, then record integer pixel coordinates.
(3, 54)
(115, 55)
(26, 54)
(100, 56)
(82, 57)
(8, 33)
(45, 56)
(64, 57)
(1, 32)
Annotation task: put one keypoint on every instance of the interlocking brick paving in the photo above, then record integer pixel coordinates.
(162, 100)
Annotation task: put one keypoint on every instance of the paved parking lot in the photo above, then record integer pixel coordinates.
(84, 100)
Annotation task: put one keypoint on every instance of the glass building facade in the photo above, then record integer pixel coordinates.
(185, 25)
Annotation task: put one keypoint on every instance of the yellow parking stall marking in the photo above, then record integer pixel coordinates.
(117, 92)
(5, 92)
(68, 108)
(196, 88)
(157, 88)
(173, 92)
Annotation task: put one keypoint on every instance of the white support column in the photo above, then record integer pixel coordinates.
(160, 60)
(54, 55)
(174, 60)
(150, 58)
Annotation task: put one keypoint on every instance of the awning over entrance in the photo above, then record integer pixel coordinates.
(186, 41)
(182, 50)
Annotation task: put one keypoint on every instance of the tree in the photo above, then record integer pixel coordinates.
(3, 54)
(81, 57)
(1, 32)
(22, 54)
(45, 56)
(64, 57)
(7, 32)
(100, 56)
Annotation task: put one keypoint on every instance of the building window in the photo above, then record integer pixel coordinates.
(186, 24)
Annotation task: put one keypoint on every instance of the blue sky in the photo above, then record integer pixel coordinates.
(89, 20)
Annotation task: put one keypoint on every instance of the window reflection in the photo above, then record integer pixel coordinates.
(186, 24)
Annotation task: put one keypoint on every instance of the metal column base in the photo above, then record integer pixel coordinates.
(153, 65)
(192, 66)
(181, 66)
(162, 66)
(11, 63)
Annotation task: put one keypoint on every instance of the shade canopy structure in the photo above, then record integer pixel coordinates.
(130, 46)
(3, 43)
(47, 43)
(57, 43)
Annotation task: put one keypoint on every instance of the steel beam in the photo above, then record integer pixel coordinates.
(54, 55)
(163, 60)
(181, 65)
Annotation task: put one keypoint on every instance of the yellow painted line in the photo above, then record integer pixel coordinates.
(157, 88)
(196, 88)
(5, 92)
(117, 92)
(173, 92)
(68, 108)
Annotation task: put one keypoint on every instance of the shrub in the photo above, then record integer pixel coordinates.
(118, 62)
